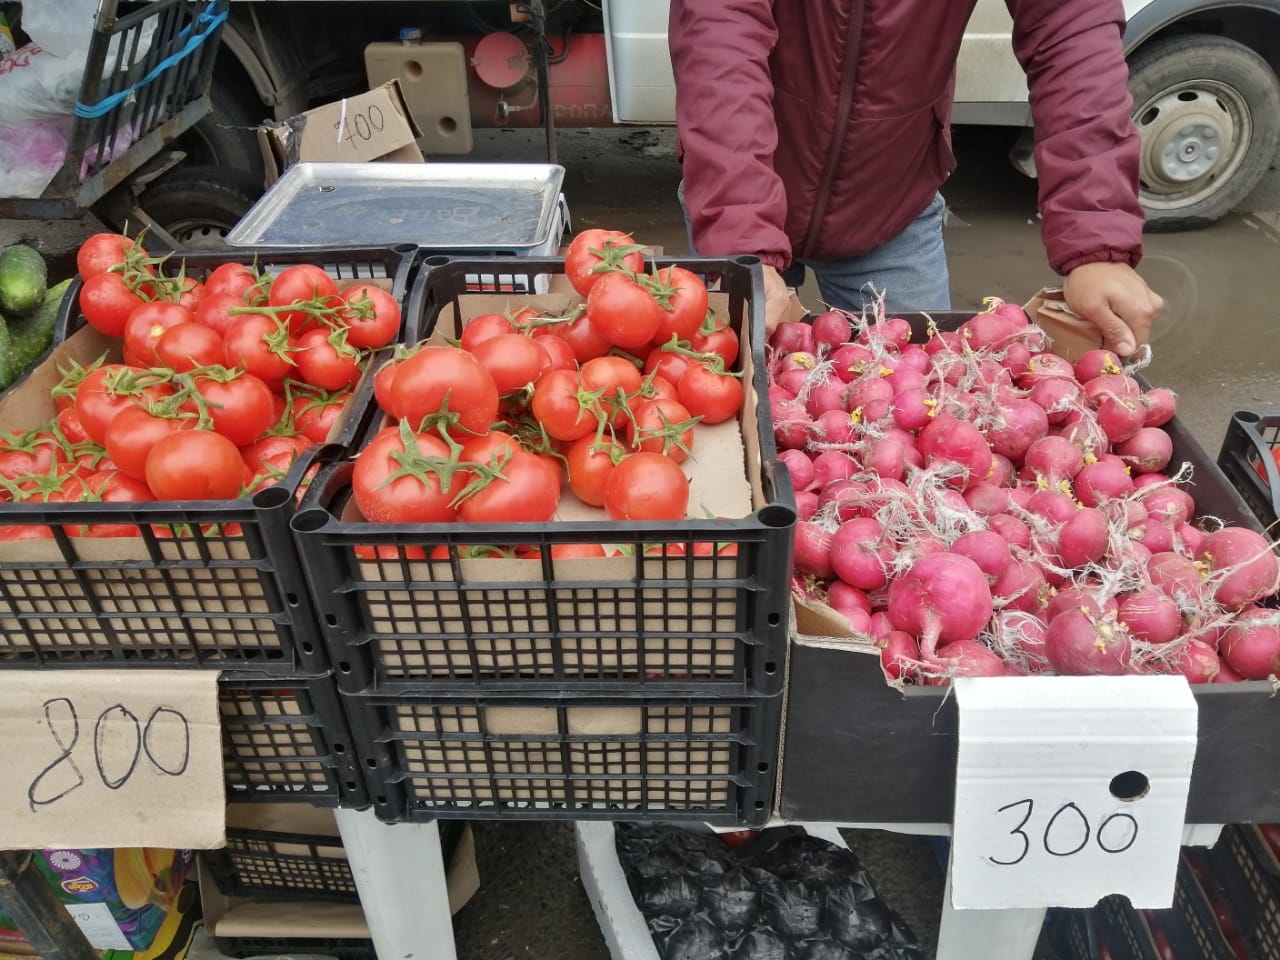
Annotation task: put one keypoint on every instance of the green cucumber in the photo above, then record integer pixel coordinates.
(24, 279)
(6, 355)
(31, 335)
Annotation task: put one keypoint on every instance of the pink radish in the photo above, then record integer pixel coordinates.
(1251, 646)
(859, 554)
(799, 466)
(812, 550)
(1177, 577)
(1154, 535)
(1242, 564)
(1147, 451)
(1197, 662)
(1168, 504)
(948, 440)
(987, 549)
(967, 658)
(827, 394)
(1150, 615)
(1015, 532)
(987, 500)
(790, 423)
(850, 360)
(942, 597)
(1002, 471)
(834, 426)
(1053, 505)
(899, 654)
(831, 329)
(1102, 481)
(1054, 459)
(1021, 423)
(1022, 586)
(1045, 366)
(841, 594)
(1079, 644)
(1115, 386)
(859, 619)
(1096, 363)
(1057, 397)
(1226, 674)
(832, 465)
(806, 504)
(1083, 538)
(1160, 406)
(914, 357)
(792, 337)
(887, 458)
(1119, 417)
(1085, 598)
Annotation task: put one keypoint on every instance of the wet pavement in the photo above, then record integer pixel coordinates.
(1218, 347)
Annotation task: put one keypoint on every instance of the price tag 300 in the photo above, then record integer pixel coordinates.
(1069, 789)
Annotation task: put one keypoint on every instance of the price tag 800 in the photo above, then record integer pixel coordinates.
(1069, 789)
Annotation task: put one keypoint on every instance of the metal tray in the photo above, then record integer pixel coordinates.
(449, 207)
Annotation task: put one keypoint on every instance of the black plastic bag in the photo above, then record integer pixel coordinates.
(827, 950)
(697, 939)
(762, 944)
(674, 895)
(733, 904)
(854, 921)
(793, 910)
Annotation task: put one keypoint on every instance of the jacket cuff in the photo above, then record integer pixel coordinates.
(775, 260)
(1105, 255)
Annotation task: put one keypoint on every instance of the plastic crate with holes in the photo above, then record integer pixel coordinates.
(709, 760)
(675, 608)
(1246, 864)
(292, 865)
(214, 583)
(335, 947)
(1250, 457)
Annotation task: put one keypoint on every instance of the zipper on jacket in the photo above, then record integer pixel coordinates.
(853, 46)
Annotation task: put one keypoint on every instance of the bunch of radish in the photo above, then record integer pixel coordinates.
(980, 506)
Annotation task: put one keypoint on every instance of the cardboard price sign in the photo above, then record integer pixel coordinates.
(110, 758)
(1069, 789)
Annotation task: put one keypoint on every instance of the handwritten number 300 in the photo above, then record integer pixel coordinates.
(1061, 848)
(116, 724)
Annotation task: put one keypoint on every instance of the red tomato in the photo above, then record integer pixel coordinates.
(589, 466)
(106, 302)
(133, 432)
(188, 346)
(647, 486)
(623, 312)
(25, 454)
(195, 465)
(1261, 468)
(101, 252)
(314, 417)
(722, 342)
(111, 486)
(71, 426)
(192, 294)
(657, 426)
(656, 387)
(584, 339)
(241, 408)
(568, 551)
(301, 284)
(559, 350)
(482, 327)
(234, 280)
(513, 360)
(716, 397)
(215, 312)
(259, 344)
(388, 551)
(371, 314)
(273, 449)
(436, 378)
(667, 364)
(382, 384)
(524, 492)
(685, 308)
(387, 491)
(148, 323)
(557, 404)
(593, 253)
(108, 390)
(616, 380)
(325, 360)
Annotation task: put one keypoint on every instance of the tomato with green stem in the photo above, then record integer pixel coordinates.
(148, 323)
(259, 344)
(513, 360)
(273, 449)
(102, 251)
(111, 388)
(623, 312)
(407, 477)
(662, 426)
(216, 311)
(719, 340)
(238, 405)
(371, 315)
(507, 484)
(133, 432)
(669, 363)
(445, 380)
(583, 338)
(325, 359)
(314, 413)
(647, 486)
(303, 285)
(590, 462)
(107, 302)
(564, 407)
(188, 346)
(616, 380)
(595, 253)
(235, 280)
(683, 297)
(714, 395)
(485, 326)
(559, 350)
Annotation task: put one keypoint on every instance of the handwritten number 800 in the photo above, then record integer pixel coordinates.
(1052, 839)
(119, 742)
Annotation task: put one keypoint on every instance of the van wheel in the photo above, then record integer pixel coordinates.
(198, 206)
(1208, 110)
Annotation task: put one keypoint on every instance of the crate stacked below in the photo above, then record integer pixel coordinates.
(198, 584)
(514, 681)
(1250, 457)
(1246, 864)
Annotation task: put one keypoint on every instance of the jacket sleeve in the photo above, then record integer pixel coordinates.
(1086, 145)
(724, 115)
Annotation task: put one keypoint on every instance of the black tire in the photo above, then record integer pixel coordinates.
(226, 136)
(198, 206)
(1208, 109)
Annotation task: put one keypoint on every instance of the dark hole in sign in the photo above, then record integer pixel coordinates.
(1130, 785)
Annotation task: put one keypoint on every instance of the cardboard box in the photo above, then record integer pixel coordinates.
(372, 126)
(119, 898)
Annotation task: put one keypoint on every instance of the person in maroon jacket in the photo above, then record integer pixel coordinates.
(817, 132)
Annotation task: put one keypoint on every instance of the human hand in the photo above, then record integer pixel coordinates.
(1116, 300)
(777, 299)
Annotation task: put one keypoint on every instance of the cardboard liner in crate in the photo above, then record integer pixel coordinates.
(673, 759)
(696, 606)
(200, 583)
(285, 740)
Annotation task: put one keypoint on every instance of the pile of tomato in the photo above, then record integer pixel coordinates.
(222, 383)
(605, 400)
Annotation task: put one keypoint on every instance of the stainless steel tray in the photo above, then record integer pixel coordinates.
(463, 207)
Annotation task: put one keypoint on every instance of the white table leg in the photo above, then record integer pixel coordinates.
(400, 873)
(987, 934)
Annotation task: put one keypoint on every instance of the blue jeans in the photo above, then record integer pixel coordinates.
(910, 269)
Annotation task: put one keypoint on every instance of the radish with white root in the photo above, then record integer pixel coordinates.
(860, 555)
(1242, 566)
(1251, 645)
(947, 440)
(941, 598)
(1079, 644)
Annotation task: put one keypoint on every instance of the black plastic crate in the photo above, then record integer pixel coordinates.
(1250, 457)
(709, 760)
(203, 583)
(291, 865)
(146, 80)
(1245, 872)
(286, 740)
(689, 607)
(340, 949)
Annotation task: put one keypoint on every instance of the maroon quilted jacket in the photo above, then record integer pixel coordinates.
(819, 128)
